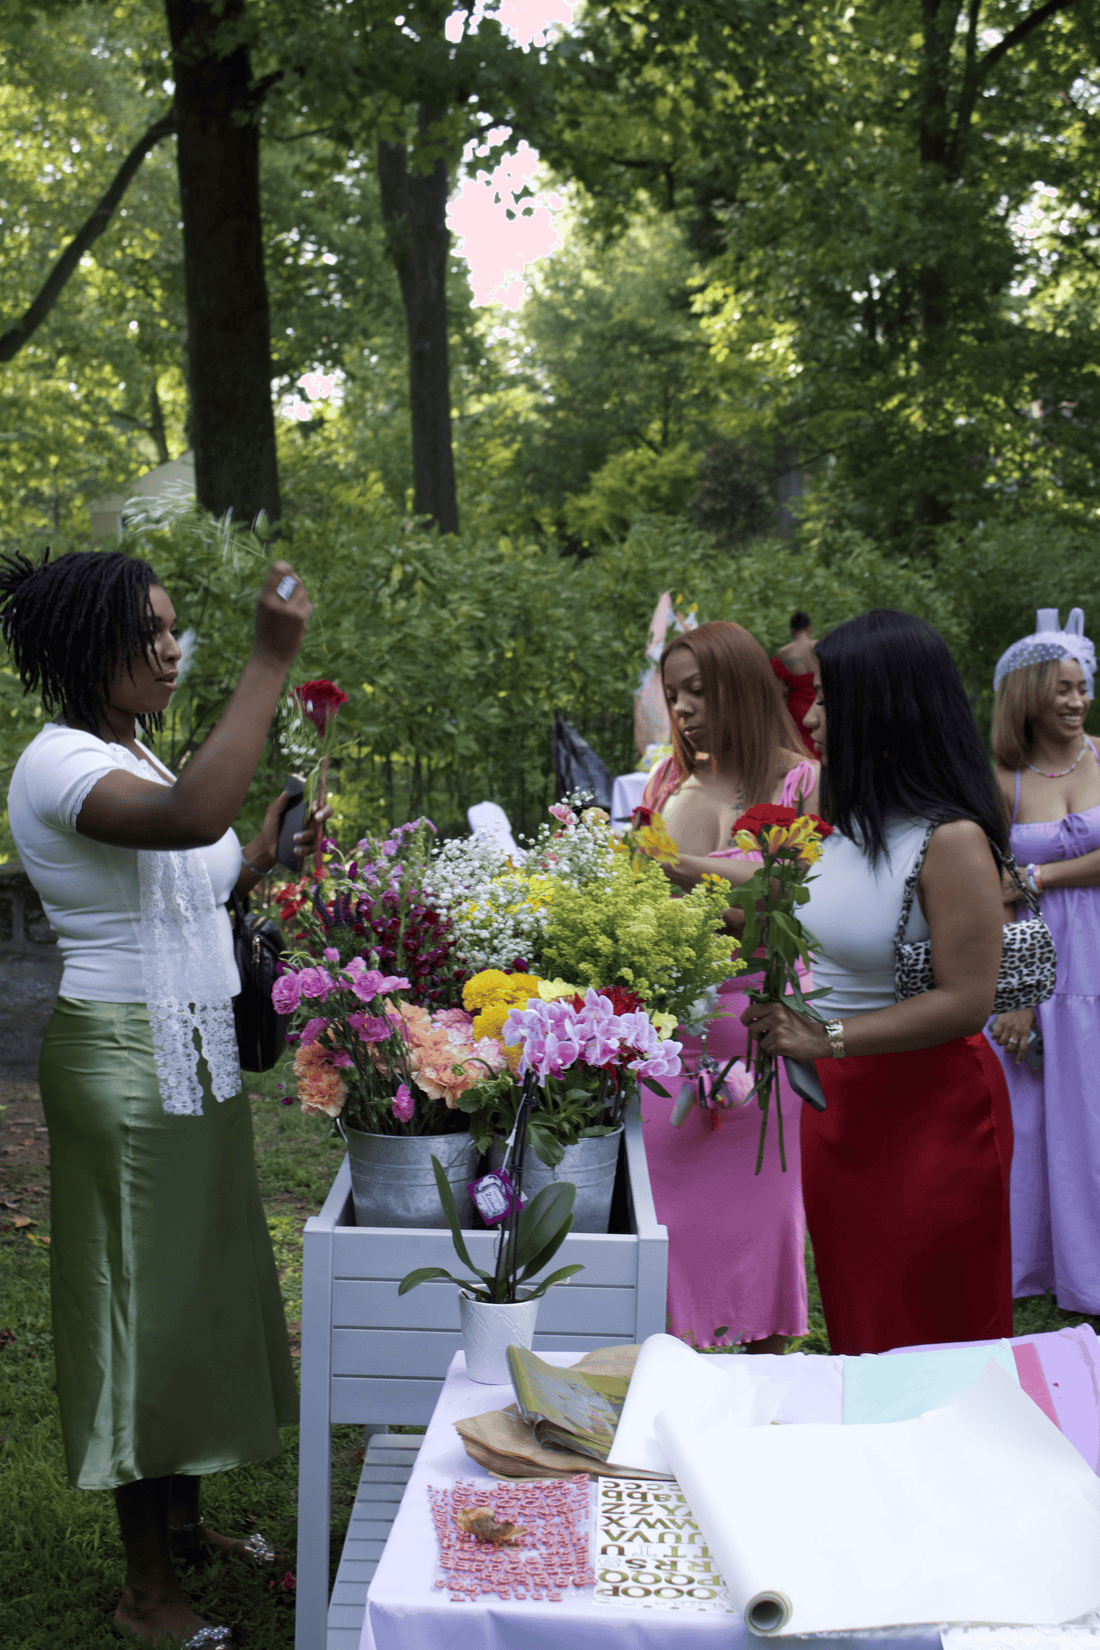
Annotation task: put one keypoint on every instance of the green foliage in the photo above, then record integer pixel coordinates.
(456, 655)
(895, 214)
(626, 931)
(540, 1231)
(629, 485)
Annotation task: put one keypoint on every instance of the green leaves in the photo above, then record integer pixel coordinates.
(542, 1228)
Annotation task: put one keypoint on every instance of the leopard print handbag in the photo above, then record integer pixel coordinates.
(1029, 961)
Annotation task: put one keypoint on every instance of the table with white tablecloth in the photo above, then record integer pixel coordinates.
(626, 795)
(406, 1610)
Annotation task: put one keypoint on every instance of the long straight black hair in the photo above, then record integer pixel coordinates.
(902, 739)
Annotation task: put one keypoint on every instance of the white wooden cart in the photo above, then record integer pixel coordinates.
(371, 1357)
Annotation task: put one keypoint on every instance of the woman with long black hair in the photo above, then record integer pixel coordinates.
(905, 1175)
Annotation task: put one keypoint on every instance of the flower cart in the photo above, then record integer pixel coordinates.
(372, 1357)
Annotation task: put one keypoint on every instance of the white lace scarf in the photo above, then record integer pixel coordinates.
(188, 988)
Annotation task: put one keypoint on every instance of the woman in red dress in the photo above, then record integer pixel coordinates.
(905, 1175)
(794, 665)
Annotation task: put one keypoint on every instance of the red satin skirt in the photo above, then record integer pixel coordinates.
(905, 1181)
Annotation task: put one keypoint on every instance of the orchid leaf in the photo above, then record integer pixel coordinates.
(426, 1274)
(561, 1276)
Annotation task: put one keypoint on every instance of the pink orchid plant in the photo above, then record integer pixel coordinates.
(587, 1056)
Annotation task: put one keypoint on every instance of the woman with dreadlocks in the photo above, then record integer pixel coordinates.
(172, 1356)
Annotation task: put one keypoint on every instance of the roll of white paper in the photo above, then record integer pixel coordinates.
(978, 1511)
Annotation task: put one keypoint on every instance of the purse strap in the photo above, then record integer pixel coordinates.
(911, 887)
(1005, 863)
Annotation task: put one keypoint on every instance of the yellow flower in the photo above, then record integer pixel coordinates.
(551, 990)
(746, 842)
(654, 842)
(483, 988)
(665, 1023)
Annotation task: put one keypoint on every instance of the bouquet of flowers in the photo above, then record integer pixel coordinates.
(627, 929)
(374, 904)
(498, 903)
(587, 1052)
(376, 1061)
(790, 843)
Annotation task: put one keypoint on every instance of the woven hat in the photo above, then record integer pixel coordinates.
(1050, 641)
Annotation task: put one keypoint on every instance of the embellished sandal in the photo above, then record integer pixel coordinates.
(189, 1546)
(210, 1638)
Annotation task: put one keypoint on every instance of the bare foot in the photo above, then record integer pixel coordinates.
(149, 1618)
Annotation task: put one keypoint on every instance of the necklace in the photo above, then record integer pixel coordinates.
(1061, 772)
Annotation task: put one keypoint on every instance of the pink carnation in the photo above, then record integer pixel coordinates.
(320, 1086)
(315, 982)
(403, 1103)
(286, 993)
(312, 1030)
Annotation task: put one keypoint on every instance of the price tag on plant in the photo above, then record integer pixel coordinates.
(494, 1196)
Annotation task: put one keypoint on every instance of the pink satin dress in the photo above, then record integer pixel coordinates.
(736, 1239)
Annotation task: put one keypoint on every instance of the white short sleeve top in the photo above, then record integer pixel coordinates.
(853, 912)
(89, 890)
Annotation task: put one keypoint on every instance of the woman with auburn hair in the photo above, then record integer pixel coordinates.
(1049, 778)
(905, 1174)
(736, 1263)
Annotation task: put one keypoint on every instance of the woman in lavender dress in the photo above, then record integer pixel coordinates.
(1050, 779)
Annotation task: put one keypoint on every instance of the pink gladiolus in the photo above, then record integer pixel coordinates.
(403, 1103)
(286, 993)
(312, 1030)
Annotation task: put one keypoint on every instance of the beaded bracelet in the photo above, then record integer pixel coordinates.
(1033, 876)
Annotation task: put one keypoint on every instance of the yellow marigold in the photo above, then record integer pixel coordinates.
(483, 988)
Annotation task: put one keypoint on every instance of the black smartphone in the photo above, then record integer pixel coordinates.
(1033, 1053)
(803, 1078)
(292, 821)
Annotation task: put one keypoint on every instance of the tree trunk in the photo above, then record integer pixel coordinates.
(414, 206)
(940, 18)
(229, 348)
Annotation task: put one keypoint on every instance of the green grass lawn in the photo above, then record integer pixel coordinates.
(61, 1565)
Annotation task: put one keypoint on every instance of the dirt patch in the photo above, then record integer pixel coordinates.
(24, 1156)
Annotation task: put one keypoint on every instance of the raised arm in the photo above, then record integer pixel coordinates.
(130, 812)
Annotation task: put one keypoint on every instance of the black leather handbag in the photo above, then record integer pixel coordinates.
(257, 946)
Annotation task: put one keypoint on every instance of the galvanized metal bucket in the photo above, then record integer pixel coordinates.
(392, 1182)
(590, 1165)
(488, 1330)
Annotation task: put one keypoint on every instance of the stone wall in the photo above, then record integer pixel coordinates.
(30, 973)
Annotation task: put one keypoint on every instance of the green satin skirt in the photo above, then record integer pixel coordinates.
(169, 1334)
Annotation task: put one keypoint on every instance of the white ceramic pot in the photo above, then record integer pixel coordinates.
(488, 1330)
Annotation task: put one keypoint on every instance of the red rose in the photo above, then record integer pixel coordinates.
(764, 814)
(641, 817)
(768, 813)
(320, 701)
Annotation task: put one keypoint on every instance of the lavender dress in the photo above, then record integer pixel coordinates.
(1055, 1188)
